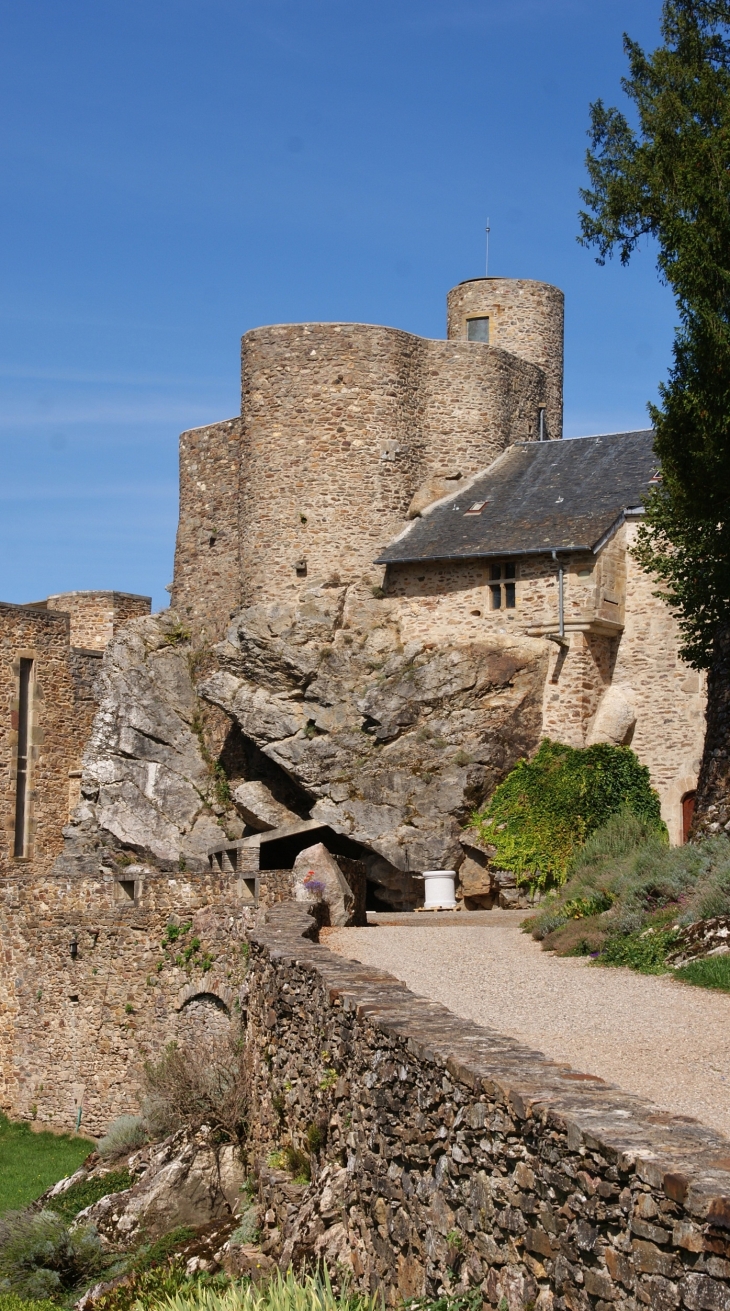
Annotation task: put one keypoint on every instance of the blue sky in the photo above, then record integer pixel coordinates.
(176, 172)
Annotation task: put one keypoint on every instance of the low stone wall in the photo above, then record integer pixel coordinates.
(453, 1157)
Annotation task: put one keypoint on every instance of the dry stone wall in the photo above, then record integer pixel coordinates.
(455, 1158)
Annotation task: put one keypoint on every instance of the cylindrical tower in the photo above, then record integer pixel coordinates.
(520, 316)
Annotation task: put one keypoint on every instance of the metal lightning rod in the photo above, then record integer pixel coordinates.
(487, 232)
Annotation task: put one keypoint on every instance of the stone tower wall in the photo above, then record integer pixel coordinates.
(525, 318)
(207, 586)
(341, 423)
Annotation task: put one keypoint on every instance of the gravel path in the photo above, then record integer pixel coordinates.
(651, 1035)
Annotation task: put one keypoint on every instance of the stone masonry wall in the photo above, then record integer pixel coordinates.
(56, 731)
(341, 423)
(455, 1158)
(525, 318)
(75, 1031)
(96, 616)
(668, 696)
(207, 586)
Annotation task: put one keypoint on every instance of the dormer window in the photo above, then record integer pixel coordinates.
(477, 330)
(476, 507)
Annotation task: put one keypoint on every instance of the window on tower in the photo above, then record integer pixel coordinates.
(477, 330)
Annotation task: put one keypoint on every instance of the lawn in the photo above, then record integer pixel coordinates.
(31, 1162)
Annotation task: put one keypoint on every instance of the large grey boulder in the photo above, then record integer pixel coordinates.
(187, 1180)
(318, 878)
(256, 803)
(394, 741)
(146, 779)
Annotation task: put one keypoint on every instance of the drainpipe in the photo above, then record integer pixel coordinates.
(561, 608)
(541, 421)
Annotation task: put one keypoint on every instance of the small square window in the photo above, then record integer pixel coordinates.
(509, 596)
(125, 889)
(477, 330)
(496, 597)
(476, 508)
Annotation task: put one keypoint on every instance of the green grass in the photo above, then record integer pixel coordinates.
(31, 1162)
(710, 972)
(11, 1302)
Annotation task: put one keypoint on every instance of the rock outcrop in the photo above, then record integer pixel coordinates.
(336, 716)
(394, 741)
(320, 879)
(186, 1180)
(148, 780)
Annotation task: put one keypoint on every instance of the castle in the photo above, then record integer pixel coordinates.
(380, 498)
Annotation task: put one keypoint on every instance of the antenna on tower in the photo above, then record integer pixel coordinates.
(487, 232)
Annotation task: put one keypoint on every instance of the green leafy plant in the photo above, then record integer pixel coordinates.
(177, 634)
(87, 1191)
(154, 1254)
(11, 1302)
(547, 807)
(645, 952)
(315, 1137)
(151, 1287)
(328, 1080)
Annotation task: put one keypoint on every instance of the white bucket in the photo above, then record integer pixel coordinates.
(439, 889)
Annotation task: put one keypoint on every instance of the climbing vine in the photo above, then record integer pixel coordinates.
(547, 807)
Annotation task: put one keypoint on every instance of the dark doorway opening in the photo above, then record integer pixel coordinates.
(688, 810)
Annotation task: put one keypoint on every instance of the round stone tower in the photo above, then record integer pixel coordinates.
(520, 316)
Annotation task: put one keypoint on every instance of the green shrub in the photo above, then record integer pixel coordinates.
(87, 1191)
(644, 885)
(40, 1257)
(710, 972)
(645, 952)
(122, 1136)
(547, 807)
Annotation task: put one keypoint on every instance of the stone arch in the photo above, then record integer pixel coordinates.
(203, 1014)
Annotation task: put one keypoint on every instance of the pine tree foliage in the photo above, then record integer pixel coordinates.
(666, 176)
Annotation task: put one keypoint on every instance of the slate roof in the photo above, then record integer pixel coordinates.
(540, 496)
